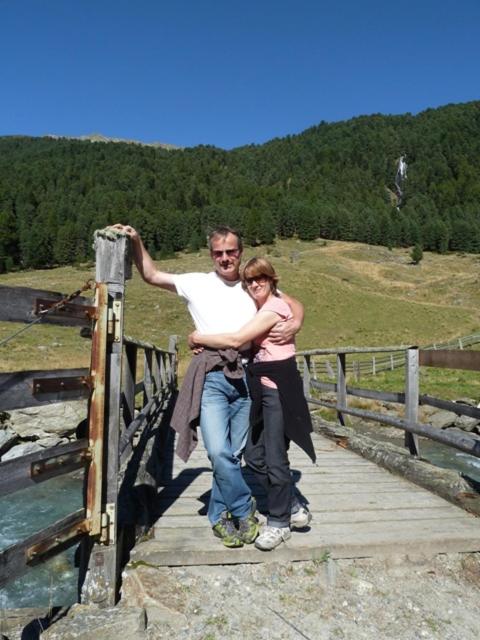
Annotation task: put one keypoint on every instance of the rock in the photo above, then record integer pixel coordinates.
(60, 418)
(7, 439)
(443, 419)
(21, 450)
(17, 623)
(89, 623)
(425, 411)
(468, 401)
(466, 423)
(149, 587)
(51, 441)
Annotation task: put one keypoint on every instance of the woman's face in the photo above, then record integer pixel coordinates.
(259, 287)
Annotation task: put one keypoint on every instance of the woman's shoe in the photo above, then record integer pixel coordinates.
(271, 537)
(300, 518)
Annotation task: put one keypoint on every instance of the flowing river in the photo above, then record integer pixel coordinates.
(26, 512)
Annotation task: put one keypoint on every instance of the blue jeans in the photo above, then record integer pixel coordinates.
(224, 422)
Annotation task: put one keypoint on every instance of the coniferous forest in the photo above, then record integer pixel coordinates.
(333, 181)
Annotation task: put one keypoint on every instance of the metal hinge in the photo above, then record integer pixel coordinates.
(108, 535)
(114, 316)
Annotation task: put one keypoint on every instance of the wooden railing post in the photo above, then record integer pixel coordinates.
(148, 382)
(129, 381)
(341, 385)
(113, 267)
(411, 397)
(173, 362)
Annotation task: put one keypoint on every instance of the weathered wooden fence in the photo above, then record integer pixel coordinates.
(117, 449)
(410, 397)
(381, 361)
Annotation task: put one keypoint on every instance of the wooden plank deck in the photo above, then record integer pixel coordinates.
(359, 510)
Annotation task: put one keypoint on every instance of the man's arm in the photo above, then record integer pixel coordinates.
(144, 262)
(257, 326)
(283, 332)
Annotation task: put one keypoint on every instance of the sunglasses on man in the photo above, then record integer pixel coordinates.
(231, 253)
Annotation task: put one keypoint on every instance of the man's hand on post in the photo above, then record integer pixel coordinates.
(126, 228)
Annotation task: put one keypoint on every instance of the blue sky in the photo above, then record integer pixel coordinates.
(228, 73)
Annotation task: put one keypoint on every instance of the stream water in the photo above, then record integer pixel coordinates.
(25, 512)
(435, 452)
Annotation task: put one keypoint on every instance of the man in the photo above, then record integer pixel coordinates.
(217, 303)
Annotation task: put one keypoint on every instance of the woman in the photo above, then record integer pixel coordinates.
(279, 409)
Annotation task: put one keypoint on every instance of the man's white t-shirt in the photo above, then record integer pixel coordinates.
(216, 306)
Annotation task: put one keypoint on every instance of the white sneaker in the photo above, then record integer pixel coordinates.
(271, 537)
(301, 518)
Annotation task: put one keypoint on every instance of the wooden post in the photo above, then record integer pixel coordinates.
(411, 397)
(129, 379)
(341, 385)
(374, 367)
(161, 370)
(173, 361)
(113, 267)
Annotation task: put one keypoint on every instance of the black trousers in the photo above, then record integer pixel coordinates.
(268, 459)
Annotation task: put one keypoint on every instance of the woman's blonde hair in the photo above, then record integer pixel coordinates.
(256, 267)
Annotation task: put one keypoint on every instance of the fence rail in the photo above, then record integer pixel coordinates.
(391, 357)
(410, 397)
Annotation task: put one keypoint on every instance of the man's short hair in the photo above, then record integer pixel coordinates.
(223, 232)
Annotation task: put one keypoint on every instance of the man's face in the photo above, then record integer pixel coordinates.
(226, 256)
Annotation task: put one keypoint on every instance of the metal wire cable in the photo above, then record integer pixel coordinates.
(89, 284)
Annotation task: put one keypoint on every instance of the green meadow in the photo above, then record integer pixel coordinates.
(354, 294)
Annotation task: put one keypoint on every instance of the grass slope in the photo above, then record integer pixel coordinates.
(354, 294)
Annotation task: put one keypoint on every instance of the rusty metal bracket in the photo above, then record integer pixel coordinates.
(35, 553)
(68, 309)
(57, 462)
(66, 383)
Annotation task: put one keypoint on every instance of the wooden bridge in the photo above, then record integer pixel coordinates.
(135, 484)
(359, 510)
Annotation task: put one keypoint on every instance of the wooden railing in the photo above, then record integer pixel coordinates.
(410, 396)
(380, 361)
(124, 414)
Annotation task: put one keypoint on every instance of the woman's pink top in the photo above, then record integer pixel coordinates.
(267, 350)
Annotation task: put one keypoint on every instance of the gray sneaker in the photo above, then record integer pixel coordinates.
(300, 518)
(226, 531)
(248, 527)
(271, 537)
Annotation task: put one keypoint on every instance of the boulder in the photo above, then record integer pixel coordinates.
(466, 423)
(51, 441)
(23, 623)
(7, 439)
(469, 401)
(21, 450)
(442, 419)
(150, 587)
(60, 418)
(88, 623)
